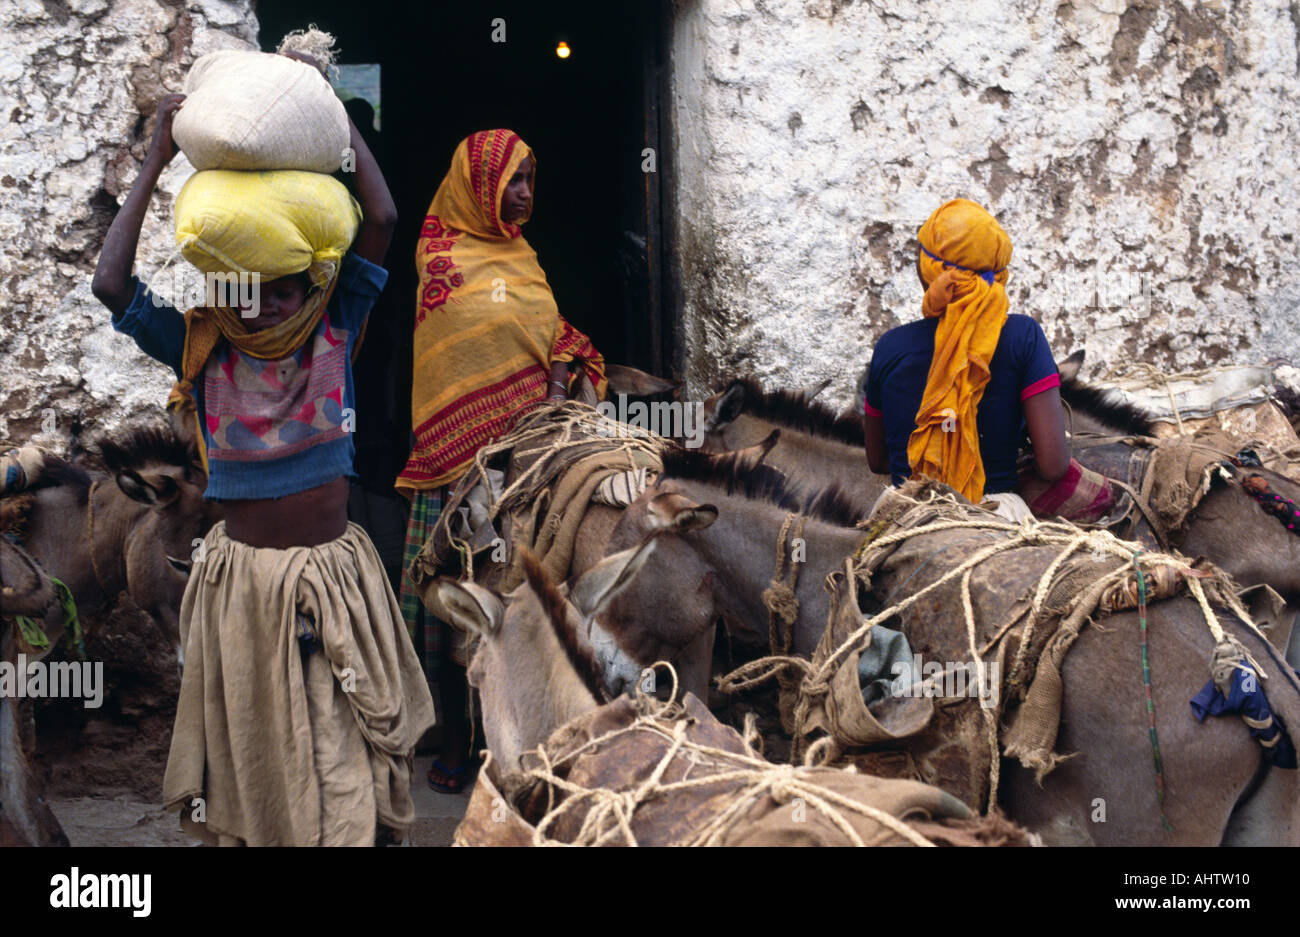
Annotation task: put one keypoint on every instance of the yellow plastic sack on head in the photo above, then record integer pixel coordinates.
(272, 223)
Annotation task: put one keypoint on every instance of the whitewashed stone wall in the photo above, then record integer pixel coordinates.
(1148, 146)
(79, 80)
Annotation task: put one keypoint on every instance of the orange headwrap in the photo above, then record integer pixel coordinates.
(964, 255)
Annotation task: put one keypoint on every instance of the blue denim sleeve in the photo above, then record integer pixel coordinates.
(360, 283)
(157, 327)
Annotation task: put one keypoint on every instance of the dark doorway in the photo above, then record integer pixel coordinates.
(596, 221)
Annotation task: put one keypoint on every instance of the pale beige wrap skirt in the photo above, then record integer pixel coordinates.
(272, 746)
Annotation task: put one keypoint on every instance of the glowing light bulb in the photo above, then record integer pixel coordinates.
(562, 50)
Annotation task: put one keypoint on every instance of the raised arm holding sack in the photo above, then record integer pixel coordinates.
(301, 699)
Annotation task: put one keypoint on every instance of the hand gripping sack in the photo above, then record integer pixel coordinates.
(271, 223)
(254, 110)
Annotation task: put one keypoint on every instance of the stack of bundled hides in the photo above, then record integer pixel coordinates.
(264, 132)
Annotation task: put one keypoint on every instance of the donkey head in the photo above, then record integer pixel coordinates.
(533, 668)
(670, 605)
(165, 517)
(744, 413)
(634, 382)
(1098, 410)
(725, 425)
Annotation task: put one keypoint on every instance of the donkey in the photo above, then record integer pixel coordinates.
(135, 534)
(536, 674)
(1227, 527)
(134, 531)
(524, 704)
(25, 818)
(816, 442)
(732, 562)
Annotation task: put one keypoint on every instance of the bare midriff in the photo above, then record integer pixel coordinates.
(303, 519)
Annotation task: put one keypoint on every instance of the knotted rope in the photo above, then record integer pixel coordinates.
(611, 813)
(779, 597)
(1110, 592)
(562, 426)
(90, 538)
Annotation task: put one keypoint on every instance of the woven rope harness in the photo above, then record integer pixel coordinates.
(610, 818)
(779, 597)
(815, 680)
(90, 539)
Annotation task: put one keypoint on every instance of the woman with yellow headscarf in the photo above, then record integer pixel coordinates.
(490, 343)
(951, 396)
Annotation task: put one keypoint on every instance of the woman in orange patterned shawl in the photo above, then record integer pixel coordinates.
(489, 344)
(487, 330)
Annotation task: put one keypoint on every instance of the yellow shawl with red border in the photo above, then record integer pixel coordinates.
(486, 324)
(964, 256)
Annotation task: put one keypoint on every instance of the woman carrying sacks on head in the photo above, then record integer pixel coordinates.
(490, 344)
(950, 396)
(302, 698)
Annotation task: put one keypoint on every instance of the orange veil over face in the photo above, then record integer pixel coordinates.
(964, 256)
(486, 325)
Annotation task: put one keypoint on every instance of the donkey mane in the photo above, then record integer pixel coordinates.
(838, 506)
(580, 654)
(57, 472)
(791, 408)
(143, 444)
(53, 472)
(1107, 407)
(759, 482)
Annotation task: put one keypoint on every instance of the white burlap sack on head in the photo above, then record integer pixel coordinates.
(254, 110)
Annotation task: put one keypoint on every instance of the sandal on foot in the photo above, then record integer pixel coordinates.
(455, 782)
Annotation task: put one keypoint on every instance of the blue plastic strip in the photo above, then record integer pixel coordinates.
(985, 275)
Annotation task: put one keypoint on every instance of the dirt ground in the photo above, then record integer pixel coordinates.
(104, 767)
(128, 820)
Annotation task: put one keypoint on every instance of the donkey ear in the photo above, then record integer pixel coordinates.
(598, 586)
(636, 383)
(810, 392)
(675, 513)
(1069, 368)
(155, 489)
(470, 607)
(180, 565)
(583, 392)
(755, 454)
(727, 408)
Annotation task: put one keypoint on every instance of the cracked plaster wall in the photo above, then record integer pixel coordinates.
(79, 80)
(1146, 147)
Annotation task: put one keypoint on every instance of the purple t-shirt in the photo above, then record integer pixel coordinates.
(1022, 366)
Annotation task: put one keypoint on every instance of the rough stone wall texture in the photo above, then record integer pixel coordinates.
(1146, 147)
(79, 80)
